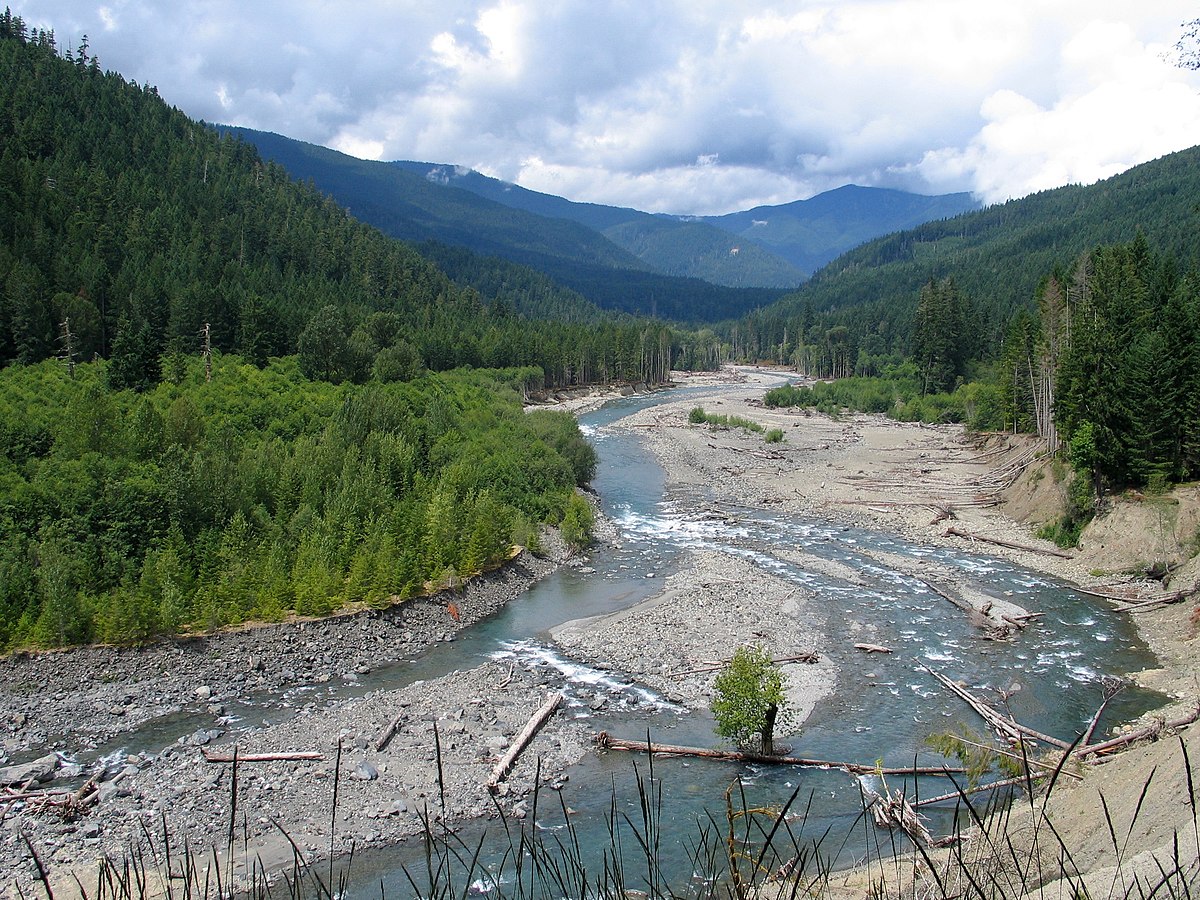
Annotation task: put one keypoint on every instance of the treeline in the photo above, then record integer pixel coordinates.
(128, 231)
(260, 493)
(1105, 364)
(1109, 365)
(997, 257)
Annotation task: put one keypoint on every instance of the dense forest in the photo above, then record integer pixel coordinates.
(1104, 364)
(235, 492)
(862, 306)
(128, 230)
(223, 398)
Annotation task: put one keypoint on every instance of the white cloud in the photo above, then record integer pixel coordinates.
(688, 106)
(1122, 104)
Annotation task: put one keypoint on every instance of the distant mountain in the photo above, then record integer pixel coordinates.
(810, 233)
(416, 208)
(412, 208)
(669, 245)
(776, 246)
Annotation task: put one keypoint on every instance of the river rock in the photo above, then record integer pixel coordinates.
(364, 771)
(41, 769)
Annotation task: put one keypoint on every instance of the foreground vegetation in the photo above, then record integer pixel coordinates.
(1005, 847)
(259, 493)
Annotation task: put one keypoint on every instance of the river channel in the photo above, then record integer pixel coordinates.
(882, 709)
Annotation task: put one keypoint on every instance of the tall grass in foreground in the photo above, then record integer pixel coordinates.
(1005, 850)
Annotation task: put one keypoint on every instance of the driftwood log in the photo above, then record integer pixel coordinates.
(1012, 545)
(607, 742)
(535, 724)
(260, 757)
(1005, 726)
(872, 648)
(979, 788)
(1009, 729)
(389, 732)
(1147, 731)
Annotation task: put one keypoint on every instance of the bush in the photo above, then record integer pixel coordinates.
(750, 699)
(774, 436)
(577, 522)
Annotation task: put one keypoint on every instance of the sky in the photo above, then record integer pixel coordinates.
(691, 107)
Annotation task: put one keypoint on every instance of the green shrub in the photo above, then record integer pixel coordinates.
(578, 521)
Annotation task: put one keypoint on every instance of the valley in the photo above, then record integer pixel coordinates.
(692, 568)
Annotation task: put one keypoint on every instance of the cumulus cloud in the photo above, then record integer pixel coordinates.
(685, 106)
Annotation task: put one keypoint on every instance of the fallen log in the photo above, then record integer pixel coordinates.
(535, 724)
(1005, 725)
(946, 595)
(260, 757)
(872, 648)
(957, 795)
(891, 809)
(1012, 545)
(607, 742)
(389, 732)
(1138, 734)
(1136, 606)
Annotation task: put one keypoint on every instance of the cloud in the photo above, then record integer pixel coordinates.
(1122, 104)
(687, 106)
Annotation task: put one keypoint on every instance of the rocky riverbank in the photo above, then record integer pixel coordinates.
(868, 471)
(295, 687)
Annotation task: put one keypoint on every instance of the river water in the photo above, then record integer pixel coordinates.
(882, 709)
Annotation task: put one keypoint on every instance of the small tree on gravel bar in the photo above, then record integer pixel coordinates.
(750, 699)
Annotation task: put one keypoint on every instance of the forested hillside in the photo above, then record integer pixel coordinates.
(810, 233)
(766, 246)
(222, 398)
(1105, 368)
(996, 257)
(127, 230)
(409, 206)
(670, 245)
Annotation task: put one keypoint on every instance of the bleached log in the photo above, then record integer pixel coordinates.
(298, 756)
(389, 732)
(955, 795)
(1138, 734)
(872, 648)
(1012, 545)
(611, 743)
(535, 724)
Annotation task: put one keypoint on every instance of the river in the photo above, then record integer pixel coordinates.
(882, 709)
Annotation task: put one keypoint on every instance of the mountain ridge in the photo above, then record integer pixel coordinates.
(805, 234)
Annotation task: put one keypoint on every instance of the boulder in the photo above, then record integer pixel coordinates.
(41, 769)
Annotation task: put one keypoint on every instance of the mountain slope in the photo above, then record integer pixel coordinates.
(810, 233)
(998, 255)
(127, 230)
(411, 207)
(776, 246)
(688, 248)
